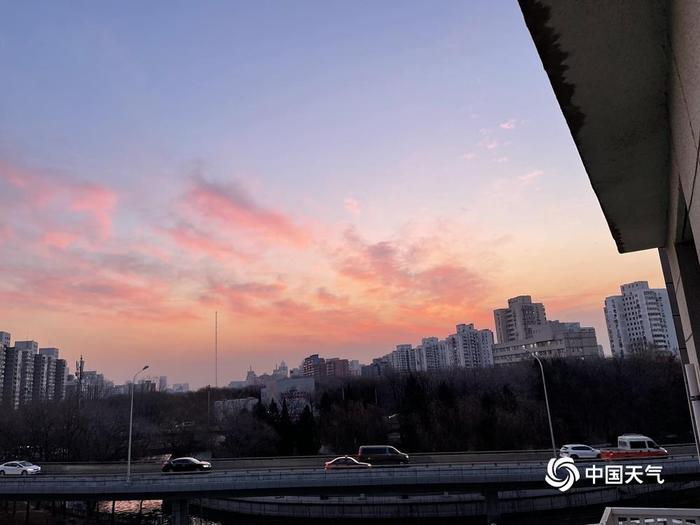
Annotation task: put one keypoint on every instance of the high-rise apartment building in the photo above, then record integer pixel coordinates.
(470, 347)
(403, 359)
(51, 352)
(355, 368)
(523, 329)
(431, 355)
(337, 367)
(26, 350)
(5, 340)
(60, 379)
(518, 320)
(11, 377)
(31, 346)
(640, 319)
(18, 373)
(44, 380)
(314, 366)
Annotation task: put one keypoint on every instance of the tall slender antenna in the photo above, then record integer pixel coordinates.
(216, 349)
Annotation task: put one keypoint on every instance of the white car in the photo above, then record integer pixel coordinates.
(344, 462)
(579, 451)
(19, 468)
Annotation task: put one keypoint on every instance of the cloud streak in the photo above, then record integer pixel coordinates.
(530, 176)
(232, 208)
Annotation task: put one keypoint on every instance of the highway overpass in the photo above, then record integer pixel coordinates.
(488, 480)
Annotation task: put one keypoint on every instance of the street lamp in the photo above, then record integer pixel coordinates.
(546, 400)
(131, 422)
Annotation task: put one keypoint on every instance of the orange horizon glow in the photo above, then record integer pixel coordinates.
(328, 182)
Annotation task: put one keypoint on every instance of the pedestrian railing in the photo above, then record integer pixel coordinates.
(648, 516)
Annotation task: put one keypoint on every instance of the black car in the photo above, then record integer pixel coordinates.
(382, 454)
(186, 465)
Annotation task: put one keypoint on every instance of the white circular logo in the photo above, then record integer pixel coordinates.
(554, 470)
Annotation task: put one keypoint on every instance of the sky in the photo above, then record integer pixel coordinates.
(331, 177)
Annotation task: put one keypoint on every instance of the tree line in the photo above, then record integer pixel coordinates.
(498, 408)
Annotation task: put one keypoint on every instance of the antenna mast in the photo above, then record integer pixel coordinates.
(216, 349)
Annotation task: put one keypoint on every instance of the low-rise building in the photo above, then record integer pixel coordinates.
(281, 371)
(551, 340)
(230, 407)
(296, 392)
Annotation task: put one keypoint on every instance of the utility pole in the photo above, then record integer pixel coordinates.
(131, 424)
(208, 407)
(546, 400)
(79, 373)
(216, 349)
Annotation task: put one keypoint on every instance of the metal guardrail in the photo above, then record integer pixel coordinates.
(648, 516)
(323, 457)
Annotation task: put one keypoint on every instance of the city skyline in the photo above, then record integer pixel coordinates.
(521, 328)
(331, 183)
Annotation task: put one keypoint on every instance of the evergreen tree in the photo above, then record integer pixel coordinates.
(307, 439)
(285, 428)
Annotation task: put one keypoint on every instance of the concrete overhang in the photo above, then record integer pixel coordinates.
(608, 62)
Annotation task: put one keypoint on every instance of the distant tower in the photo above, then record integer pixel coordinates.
(250, 377)
(79, 365)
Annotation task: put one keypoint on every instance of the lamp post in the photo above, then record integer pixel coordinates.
(131, 423)
(546, 401)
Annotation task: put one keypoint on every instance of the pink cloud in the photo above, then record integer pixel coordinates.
(530, 176)
(231, 206)
(200, 243)
(352, 206)
(59, 239)
(328, 299)
(246, 298)
(47, 201)
(74, 284)
(6, 233)
(488, 144)
(508, 124)
(392, 271)
(469, 156)
(96, 201)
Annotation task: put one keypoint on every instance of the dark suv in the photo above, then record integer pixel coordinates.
(381, 454)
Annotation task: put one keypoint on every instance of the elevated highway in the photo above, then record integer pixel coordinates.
(482, 477)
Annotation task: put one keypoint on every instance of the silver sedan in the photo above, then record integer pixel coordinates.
(579, 451)
(19, 468)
